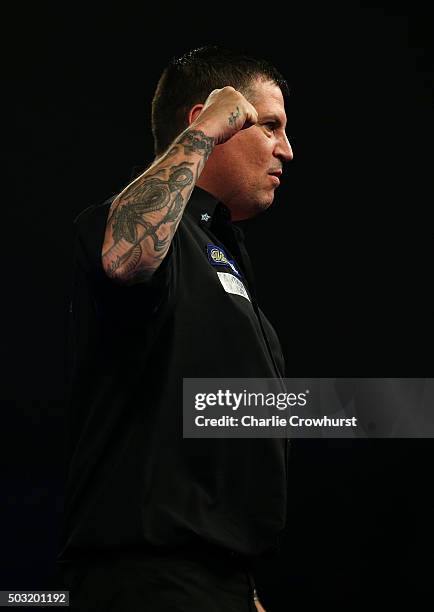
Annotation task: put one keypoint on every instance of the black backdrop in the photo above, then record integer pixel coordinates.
(348, 242)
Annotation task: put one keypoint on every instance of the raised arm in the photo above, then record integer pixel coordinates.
(143, 218)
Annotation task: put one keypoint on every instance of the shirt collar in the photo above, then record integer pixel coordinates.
(204, 207)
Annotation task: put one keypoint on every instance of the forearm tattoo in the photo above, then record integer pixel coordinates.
(152, 207)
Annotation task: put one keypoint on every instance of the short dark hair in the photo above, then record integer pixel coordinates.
(188, 80)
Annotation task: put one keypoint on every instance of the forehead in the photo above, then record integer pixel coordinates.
(268, 99)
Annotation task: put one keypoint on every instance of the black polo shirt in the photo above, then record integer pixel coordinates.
(134, 483)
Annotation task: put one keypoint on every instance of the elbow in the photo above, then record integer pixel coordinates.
(126, 275)
(113, 267)
(112, 271)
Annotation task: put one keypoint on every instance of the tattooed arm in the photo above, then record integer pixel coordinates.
(144, 216)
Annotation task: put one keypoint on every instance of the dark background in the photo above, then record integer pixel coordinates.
(343, 260)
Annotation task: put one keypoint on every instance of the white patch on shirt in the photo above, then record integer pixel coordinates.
(232, 284)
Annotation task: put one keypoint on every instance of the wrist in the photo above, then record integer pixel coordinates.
(197, 139)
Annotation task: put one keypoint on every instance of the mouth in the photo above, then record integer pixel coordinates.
(276, 176)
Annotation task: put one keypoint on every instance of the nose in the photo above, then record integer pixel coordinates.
(283, 149)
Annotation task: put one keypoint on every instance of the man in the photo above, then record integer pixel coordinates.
(154, 521)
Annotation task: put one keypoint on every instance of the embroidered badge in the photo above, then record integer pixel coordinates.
(217, 257)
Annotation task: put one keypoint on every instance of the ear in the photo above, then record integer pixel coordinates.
(194, 113)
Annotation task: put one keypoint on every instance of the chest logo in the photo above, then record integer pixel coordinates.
(217, 257)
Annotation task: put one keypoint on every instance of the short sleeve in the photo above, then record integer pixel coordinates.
(114, 302)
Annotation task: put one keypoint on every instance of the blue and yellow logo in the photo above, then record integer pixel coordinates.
(217, 257)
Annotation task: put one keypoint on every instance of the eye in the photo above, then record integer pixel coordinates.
(270, 126)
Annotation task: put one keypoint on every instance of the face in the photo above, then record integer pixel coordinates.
(240, 171)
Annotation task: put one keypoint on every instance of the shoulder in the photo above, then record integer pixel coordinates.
(93, 215)
(89, 229)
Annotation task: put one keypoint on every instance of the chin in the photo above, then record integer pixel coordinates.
(253, 207)
(264, 204)
(252, 211)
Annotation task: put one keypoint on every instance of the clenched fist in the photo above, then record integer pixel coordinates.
(225, 112)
